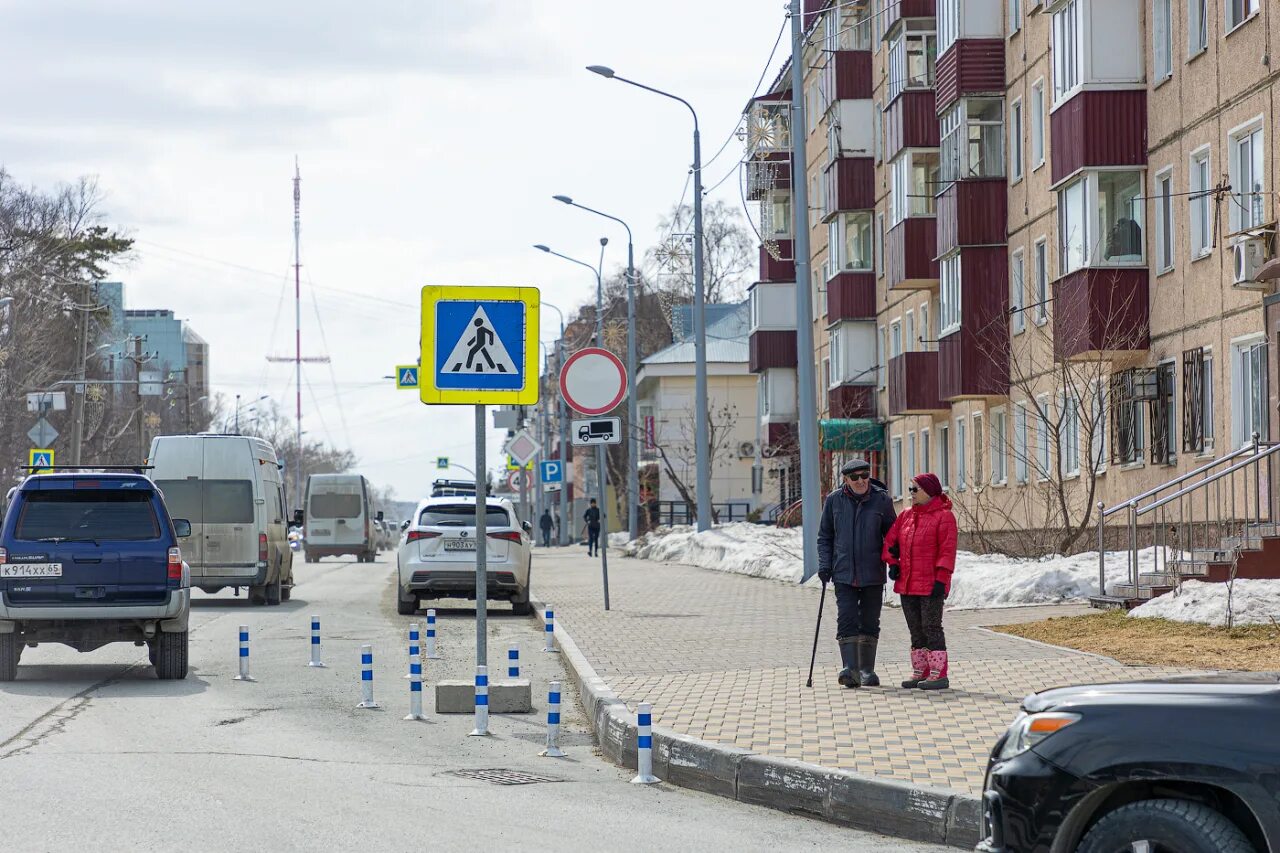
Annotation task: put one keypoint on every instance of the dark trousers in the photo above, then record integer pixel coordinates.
(546, 538)
(924, 621)
(593, 538)
(858, 610)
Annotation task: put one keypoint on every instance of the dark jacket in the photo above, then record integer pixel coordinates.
(546, 521)
(851, 536)
(592, 516)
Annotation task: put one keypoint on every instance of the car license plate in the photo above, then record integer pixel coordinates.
(459, 544)
(31, 570)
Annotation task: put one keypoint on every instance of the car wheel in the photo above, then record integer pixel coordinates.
(171, 655)
(274, 592)
(286, 591)
(257, 595)
(308, 558)
(10, 652)
(1178, 826)
(406, 608)
(151, 652)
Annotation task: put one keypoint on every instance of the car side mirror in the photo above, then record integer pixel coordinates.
(404, 525)
(379, 516)
(527, 527)
(181, 528)
(297, 518)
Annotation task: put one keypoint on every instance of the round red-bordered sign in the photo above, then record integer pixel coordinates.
(593, 381)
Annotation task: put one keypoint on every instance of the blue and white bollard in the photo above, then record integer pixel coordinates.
(644, 746)
(366, 678)
(553, 723)
(432, 654)
(414, 648)
(415, 688)
(550, 630)
(244, 656)
(513, 661)
(482, 702)
(315, 642)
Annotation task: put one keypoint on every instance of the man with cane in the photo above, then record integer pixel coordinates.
(855, 519)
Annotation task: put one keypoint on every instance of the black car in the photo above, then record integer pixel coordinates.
(1179, 765)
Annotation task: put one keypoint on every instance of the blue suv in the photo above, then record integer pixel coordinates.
(88, 559)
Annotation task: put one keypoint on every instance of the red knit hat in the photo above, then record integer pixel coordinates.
(930, 483)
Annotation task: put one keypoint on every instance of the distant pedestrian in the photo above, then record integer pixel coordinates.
(921, 552)
(546, 524)
(592, 518)
(855, 519)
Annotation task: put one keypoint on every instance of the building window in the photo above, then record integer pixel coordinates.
(1247, 173)
(979, 453)
(777, 215)
(1042, 281)
(911, 457)
(895, 339)
(1015, 16)
(1249, 392)
(944, 455)
(895, 462)
(910, 341)
(1068, 435)
(1197, 401)
(999, 460)
(1017, 293)
(926, 333)
(851, 244)
(877, 22)
(1130, 391)
(1037, 124)
(1239, 11)
(1020, 459)
(972, 140)
(1164, 221)
(1161, 39)
(1073, 224)
(915, 179)
(961, 453)
(848, 27)
(1098, 427)
(1106, 204)
(1201, 194)
(913, 55)
(949, 295)
(1163, 432)
(1068, 49)
(879, 245)
(1015, 140)
(877, 129)
(925, 459)
(948, 23)
(835, 369)
(882, 348)
(1197, 26)
(826, 373)
(764, 394)
(1042, 438)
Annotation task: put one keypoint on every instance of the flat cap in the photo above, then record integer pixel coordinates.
(855, 465)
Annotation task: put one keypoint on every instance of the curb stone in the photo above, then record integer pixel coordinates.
(882, 805)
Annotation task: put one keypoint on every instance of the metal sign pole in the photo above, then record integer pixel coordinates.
(482, 556)
(604, 524)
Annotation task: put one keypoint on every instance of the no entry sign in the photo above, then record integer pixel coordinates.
(593, 381)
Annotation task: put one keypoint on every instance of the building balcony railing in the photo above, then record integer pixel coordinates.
(769, 348)
(777, 261)
(1099, 128)
(970, 67)
(852, 401)
(768, 127)
(911, 122)
(766, 173)
(851, 185)
(909, 254)
(913, 384)
(895, 12)
(851, 296)
(973, 212)
(846, 76)
(1101, 312)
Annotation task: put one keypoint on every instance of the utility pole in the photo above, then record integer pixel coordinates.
(77, 414)
(139, 358)
(297, 318)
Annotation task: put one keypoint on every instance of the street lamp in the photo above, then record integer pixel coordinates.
(702, 439)
(633, 444)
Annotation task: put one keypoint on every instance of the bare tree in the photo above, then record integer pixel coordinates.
(679, 457)
(728, 259)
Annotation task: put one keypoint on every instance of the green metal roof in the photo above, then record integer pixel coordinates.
(851, 434)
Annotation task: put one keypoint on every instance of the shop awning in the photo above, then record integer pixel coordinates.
(852, 434)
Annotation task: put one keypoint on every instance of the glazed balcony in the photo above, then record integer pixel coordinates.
(851, 185)
(911, 121)
(780, 268)
(895, 12)
(971, 66)
(913, 384)
(972, 212)
(770, 348)
(846, 77)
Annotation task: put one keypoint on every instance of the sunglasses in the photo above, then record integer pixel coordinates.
(913, 489)
(861, 475)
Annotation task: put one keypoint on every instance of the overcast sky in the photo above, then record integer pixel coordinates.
(431, 136)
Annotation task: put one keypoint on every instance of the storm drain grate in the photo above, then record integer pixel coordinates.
(502, 776)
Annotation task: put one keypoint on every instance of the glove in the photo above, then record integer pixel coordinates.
(939, 590)
(824, 576)
(895, 551)
(895, 572)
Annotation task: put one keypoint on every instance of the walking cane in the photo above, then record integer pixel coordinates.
(821, 603)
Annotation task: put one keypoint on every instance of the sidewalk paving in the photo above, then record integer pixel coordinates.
(724, 658)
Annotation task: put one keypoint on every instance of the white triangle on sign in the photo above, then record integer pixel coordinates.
(479, 351)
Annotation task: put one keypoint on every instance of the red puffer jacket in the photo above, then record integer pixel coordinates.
(926, 540)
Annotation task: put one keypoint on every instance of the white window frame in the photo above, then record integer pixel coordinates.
(944, 455)
(926, 333)
(1161, 40)
(1015, 16)
(1017, 292)
(895, 337)
(925, 454)
(877, 128)
(1037, 124)
(948, 23)
(1209, 405)
(1021, 462)
(1242, 414)
(1237, 13)
(1044, 453)
(1084, 238)
(1041, 263)
(836, 372)
(961, 452)
(1068, 41)
(911, 457)
(837, 238)
(909, 331)
(1200, 184)
(1068, 436)
(999, 432)
(979, 451)
(898, 58)
(895, 463)
(1098, 437)
(879, 244)
(1248, 207)
(904, 202)
(882, 363)
(1197, 27)
(1162, 199)
(1015, 141)
(956, 130)
(949, 295)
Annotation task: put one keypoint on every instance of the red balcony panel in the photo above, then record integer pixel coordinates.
(970, 67)
(768, 172)
(894, 12)
(852, 401)
(1101, 311)
(812, 9)
(772, 348)
(782, 268)
(909, 254)
(783, 438)
(913, 384)
(973, 213)
(1099, 128)
(911, 122)
(974, 361)
(851, 185)
(851, 296)
(847, 76)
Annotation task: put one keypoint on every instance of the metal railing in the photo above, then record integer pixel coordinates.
(671, 513)
(1205, 515)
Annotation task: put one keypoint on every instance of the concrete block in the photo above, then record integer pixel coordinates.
(697, 764)
(780, 783)
(617, 734)
(889, 807)
(457, 696)
(964, 822)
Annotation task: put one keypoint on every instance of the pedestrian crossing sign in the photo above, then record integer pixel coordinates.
(40, 461)
(479, 345)
(407, 377)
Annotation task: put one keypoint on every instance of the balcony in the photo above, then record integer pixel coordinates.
(913, 384)
(1099, 128)
(851, 296)
(771, 348)
(971, 66)
(769, 172)
(851, 185)
(780, 268)
(974, 360)
(781, 439)
(852, 401)
(911, 122)
(1101, 312)
(972, 212)
(846, 77)
(909, 254)
(768, 126)
(895, 12)
(773, 306)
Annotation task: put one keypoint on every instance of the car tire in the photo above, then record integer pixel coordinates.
(1171, 824)
(308, 558)
(171, 655)
(274, 592)
(257, 595)
(10, 653)
(151, 652)
(286, 591)
(406, 608)
(520, 605)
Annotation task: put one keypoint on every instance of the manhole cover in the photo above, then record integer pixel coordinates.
(500, 776)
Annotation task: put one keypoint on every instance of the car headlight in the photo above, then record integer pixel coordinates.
(1030, 729)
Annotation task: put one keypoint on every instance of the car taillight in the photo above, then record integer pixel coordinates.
(4, 555)
(510, 536)
(415, 535)
(262, 547)
(175, 564)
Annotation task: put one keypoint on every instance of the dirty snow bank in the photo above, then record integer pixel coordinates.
(1254, 602)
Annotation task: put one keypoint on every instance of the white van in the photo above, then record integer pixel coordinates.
(230, 488)
(339, 518)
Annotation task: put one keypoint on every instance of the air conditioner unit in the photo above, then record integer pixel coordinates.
(1249, 255)
(747, 450)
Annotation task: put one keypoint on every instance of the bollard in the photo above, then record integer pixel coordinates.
(513, 661)
(244, 656)
(415, 688)
(644, 746)
(482, 702)
(366, 678)
(553, 723)
(431, 636)
(315, 642)
(550, 630)
(414, 648)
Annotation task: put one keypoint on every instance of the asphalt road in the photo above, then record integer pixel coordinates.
(95, 753)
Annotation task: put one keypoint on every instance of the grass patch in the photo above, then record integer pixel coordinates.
(1159, 642)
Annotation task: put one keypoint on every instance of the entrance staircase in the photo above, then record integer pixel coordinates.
(1212, 524)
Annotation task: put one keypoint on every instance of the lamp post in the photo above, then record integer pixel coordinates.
(633, 442)
(702, 439)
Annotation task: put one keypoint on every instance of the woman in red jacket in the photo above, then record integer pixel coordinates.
(921, 552)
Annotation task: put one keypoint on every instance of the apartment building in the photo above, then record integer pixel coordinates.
(1041, 237)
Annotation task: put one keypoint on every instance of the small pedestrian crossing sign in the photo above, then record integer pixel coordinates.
(40, 460)
(479, 345)
(407, 377)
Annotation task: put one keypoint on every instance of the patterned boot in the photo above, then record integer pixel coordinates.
(937, 672)
(919, 669)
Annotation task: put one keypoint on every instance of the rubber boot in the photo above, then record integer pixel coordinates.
(938, 679)
(867, 661)
(919, 669)
(849, 656)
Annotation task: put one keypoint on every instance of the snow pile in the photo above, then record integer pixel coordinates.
(1254, 602)
(741, 548)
